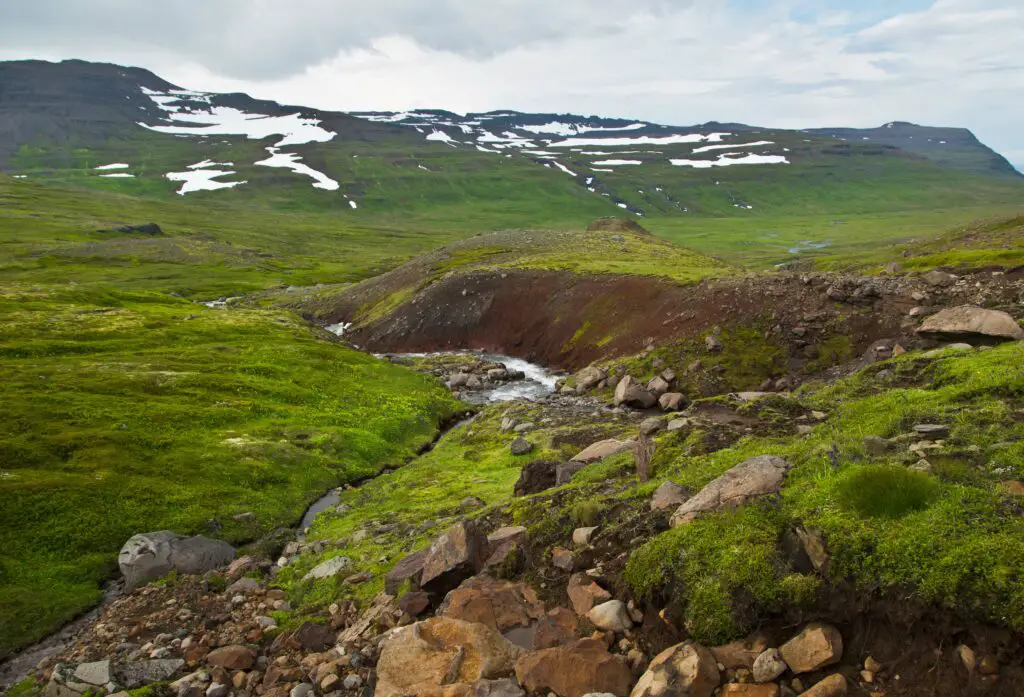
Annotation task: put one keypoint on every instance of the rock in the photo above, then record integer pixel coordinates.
(817, 646)
(589, 378)
(414, 603)
(524, 427)
(410, 568)
(313, 637)
(536, 477)
(967, 657)
(672, 401)
(244, 585)
(938, 279)
(329, 568)
(138, 673)
(678, 425)
(932, 431)
(988, 665)
(584, 594)
(359, 579)
(423, 657)
(240, 566)
(575, 670)
(740, 654)
(769, 666)
(813, 543)
(97, 673)
(330, 683)
(505, 687)
(458, 379)
(455, 556)
(735, 689)
(301, 690)
(563, 559)
(684, 670)
(629, 393)
(233, 657)
(557, 627)
(668, 495)
(501, 605)
(217, 689)
(151, 555)
(141, 229)
(497, 374)
(596, 452)
(521, 446)
(581, 536)
(832, 686)
(713, 344)
(507, 424)
(471, 503)
(502, 542)
(658, 386)
(753, 478)
(650, 426)
(611, 616)
(565, 471)
(971, 324)
(878, 447)
(352, 682)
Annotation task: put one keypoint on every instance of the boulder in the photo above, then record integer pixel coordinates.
(410, 568)
(581, 537)
(442, 652)
(595, 452)
(652, 425)
(589, 378)
(565, 471)
(769, 666)
(630, 393)
(329, 568)
(611, 616)
(506, 687)
(138, 673)
(585, 594)
(658, 386)
(742, 653)
(151, 555)
(521, 446)
(684, 670)
(96, 673)
(563, 559)
(574, 670)
(817, 646)
(232, 657)
(557, 627)
(974, 325)
(672, 401)
(668, 495)
(501, 605)
(938, 279)
(502, 542)
(455, 556)
(536, 477)
(713, 344)
(753, 478)
(414, 603)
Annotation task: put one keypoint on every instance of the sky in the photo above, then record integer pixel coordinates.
(778, 63)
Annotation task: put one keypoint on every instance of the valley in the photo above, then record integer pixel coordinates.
(711, 382)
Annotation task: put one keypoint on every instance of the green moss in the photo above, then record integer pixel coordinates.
(25, 688)
(585, 514)
(882, 491)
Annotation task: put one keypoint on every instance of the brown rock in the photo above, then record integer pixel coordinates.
(604, 449)
(414, 603)
(753, 478)
(668, 495)
(971, 324)
(585, 594)
(331, 683)
(409, 568)
(738, 690)
(684, 670)
(500, 605)
(589, 378)
(314, 637)
(234, 657)
(455, 556)
(574, 670)
(740, 654)
(1013, 487)
(557, 627)
(563, 559)
(441, 652)
(658, 386)
(832, 686)
(535, 477)
(629, 392)
(239, 567)
(817, 646)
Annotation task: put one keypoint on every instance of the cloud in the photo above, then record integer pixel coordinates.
(790, 63)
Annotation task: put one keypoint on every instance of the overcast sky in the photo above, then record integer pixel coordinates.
(786, 63)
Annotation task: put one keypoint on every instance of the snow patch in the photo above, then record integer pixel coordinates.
(612, 163)
(709, 148)
(293, 162)
(565, 169)
(118, 175)
(210, 163)
(116, 165)
(201, 180)
(560, 128)
(442, 137)
(642, 140)
(725, 160)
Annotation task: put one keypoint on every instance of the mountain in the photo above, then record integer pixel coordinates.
(129, 130)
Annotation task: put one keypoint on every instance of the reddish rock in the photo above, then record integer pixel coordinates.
(817, 646)
(584, 594)
(414, 603)
(740, 654)
(455, 556)
(500, 605)
(408, 569)
(502, 543)
(832, 686)
(557, 627)
(574, 670)
(683, 670)
(234, 657)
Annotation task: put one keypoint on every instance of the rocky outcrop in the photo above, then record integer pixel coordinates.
(442, 653)
(455, 556)
(631, 393)
(974, 325)
(151, 555)
(603, 449)
(753, 478)
(614, 224)
(501, 605)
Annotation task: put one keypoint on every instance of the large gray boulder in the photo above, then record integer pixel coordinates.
(151, 555)
(758, 476)
(632, 394)
(974, 325)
